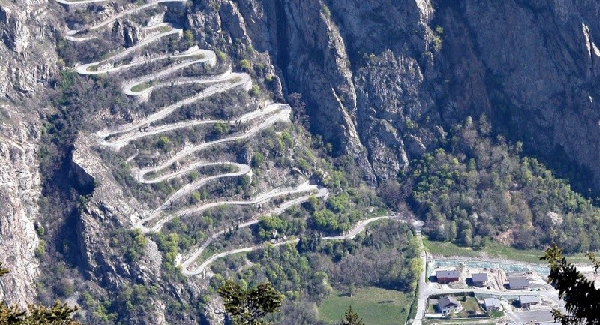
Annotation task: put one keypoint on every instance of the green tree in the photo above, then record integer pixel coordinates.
(257, 160)
(452, 231)
(245, 64)
(351, 289)
(582, 299)
(220, 128)
(58, 314)
(189, 37)
(255, 91)
(351, 318)
(248, 306)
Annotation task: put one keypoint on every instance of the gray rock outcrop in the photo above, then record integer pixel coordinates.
(384, 81)
(28, 62)
(26, 48)
(19, 194)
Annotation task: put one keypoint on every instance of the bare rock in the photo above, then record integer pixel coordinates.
(19, 194)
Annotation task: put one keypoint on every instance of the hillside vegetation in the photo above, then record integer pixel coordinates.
(476, 189)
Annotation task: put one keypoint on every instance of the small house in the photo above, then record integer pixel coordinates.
(479, 279)
(448, 305)
(491, 304)
(518, 283)
(528, 301)
(444, 277)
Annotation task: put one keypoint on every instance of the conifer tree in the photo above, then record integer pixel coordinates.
(582, 299)
(351, 318)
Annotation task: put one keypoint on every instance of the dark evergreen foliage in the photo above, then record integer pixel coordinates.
(58, 314)
(351, 318)
(249, 306)
(582, 298)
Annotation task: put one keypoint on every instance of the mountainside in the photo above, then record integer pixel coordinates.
(145, 144)
(401, 75)
(28, 64)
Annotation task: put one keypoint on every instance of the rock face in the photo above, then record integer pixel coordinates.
(129, 33)
(534, 66)
(531, 66)
(26, 48)
(383, 81)
(365, 69)
(19, 192)
(28, 62)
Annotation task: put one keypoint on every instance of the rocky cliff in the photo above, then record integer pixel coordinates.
(384, 80)
(533, 67)
(28, 64)
(19, 193)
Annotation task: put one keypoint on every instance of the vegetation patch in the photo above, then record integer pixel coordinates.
(470, 307)
(474, 191)
(141, 87)
(375, 305)
(164, 29)
(192, 56)
(493, 250)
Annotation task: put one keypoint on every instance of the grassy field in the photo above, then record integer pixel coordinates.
(494, 250)
(376, 306)
(496, 313)
(431, 309)
(142, 86)
(448, 249)
(530, 256)
(470, 305)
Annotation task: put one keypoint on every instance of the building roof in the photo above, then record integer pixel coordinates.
(518, 282)
(447, 274)
(529, 299)
(479, 277)
(447, 301)
(491, 302)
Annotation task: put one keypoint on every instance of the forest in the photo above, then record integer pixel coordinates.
(477, 189)
(385, 256)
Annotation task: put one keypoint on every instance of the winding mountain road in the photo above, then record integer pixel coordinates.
(118, 137)
(358, 228)
(79, 3)
(189, 260)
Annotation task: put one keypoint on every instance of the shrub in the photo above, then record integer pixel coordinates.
(40, 249)
(221, 56)
(325, 11)
(164, 142)
(257, 160)
(189, 37)
(245, 64)
(65, 287)
(255, 91)
(220, 128)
